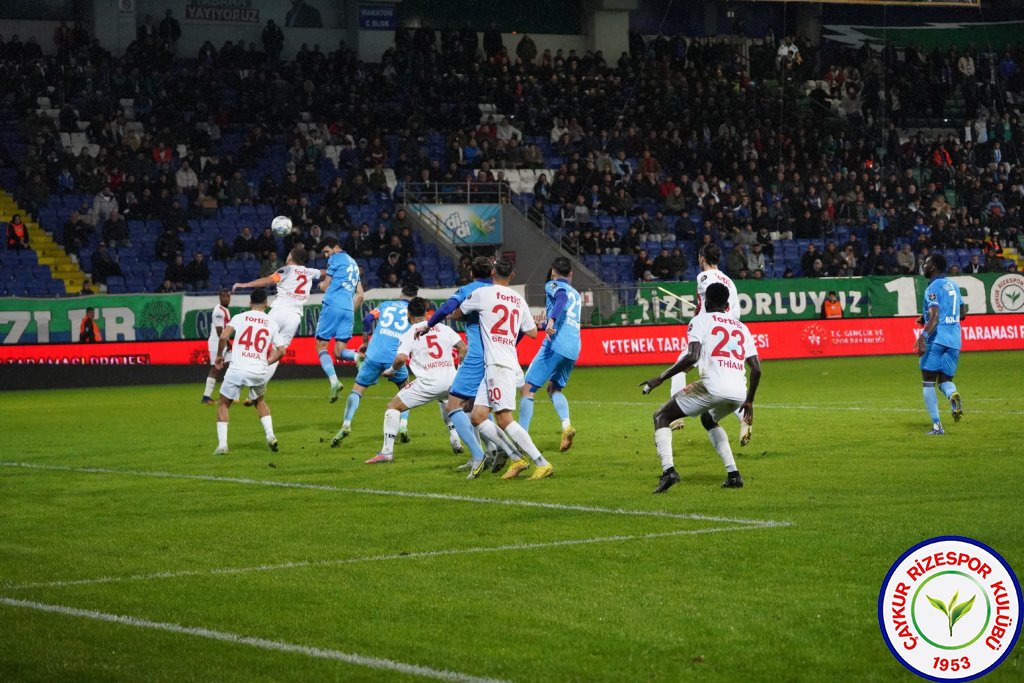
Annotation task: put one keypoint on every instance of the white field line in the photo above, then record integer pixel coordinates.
(831, 406)
(250, 641)
(403, 494)
(303, 564)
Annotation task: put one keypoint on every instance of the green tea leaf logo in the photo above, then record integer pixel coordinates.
(953, 612)
(1013, 296)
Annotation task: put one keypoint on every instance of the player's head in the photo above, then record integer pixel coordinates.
(482, 267)
(298, 256)
(409, 291)
(503, 269)
(717, 297)
(561, 267)
(417, 310)
(328, 246)
(709, 255)
(258, 298)
(935, 264)
(225, 296)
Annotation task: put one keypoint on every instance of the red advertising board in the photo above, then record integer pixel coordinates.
(651, 344)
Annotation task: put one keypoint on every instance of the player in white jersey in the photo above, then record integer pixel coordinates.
(708, 258)
(431, 357)
(219, 317)
(294, 283)
(721, 347)
(503, 317)
(258, 344)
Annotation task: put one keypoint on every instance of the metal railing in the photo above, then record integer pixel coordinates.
(467, 191)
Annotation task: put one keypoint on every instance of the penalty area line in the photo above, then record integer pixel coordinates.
(568, 507)
(250, 641)
(305, 564)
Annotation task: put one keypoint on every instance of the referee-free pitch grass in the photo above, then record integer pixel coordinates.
(303, 565)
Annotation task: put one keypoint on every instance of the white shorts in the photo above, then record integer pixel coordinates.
(695, 400)
(212, 344)
(288, 318)
(234, 380)
(499, 388)
(421, 392)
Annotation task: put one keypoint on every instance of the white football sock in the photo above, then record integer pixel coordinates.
(390, 431)
(720, 440)
(268, 426)
(663, 445)
(493, 435)
(210, 382)
(521, 438)
(222, 435)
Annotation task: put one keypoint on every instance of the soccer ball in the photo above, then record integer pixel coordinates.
(282, 225)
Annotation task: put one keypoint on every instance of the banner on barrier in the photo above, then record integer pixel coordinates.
(601, 345)
(801, 299)
(464, 224)
(130, 317)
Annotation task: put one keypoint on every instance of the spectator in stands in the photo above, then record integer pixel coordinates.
(736, 260)
(177, 272)
(808, 258)
(103, 204)
(167, 245)
(17, 234)
(35, 193)
(755, 259)
(166, 287)
(677, 264)
(169, 31)
(115, 230)
(220, 250)
(186, 179)
(526, 50)
(412, 276)
(589, 241)
(103, 265)
(245, 247)
(269, 264)
(75, 234)
(643, 266)
(88, 330)
(198, 273)
(630, 241)
(905, 260)
(610, 242)
(662, 266)
(87, 288)
(974, 266)
(266, 244)
(392, 264)
(816, 269)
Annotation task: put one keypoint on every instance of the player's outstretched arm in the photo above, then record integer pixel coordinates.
(755, 379)
(261, 282)
(681, 365)
(443, 311)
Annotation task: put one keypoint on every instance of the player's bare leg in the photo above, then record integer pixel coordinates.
(678, 384)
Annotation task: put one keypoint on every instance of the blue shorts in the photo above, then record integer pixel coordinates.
(371, 370)
(334, 322)
(548, 365)
(469, 377)
(939, 358)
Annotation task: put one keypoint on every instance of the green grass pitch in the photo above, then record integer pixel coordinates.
(112, 504)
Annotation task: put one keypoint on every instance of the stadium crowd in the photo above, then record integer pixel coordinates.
(673, 140)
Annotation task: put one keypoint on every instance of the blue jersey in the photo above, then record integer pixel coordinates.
(344, 273)
(945, 296)
(392, 321)
(564, 304)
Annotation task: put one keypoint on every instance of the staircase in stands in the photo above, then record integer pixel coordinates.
(48, 252)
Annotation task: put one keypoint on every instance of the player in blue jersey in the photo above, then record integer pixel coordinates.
(343, 294)
(940, 342)
(389, 321)
(470, 374)
(557, 356)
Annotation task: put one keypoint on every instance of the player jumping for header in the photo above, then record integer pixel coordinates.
(343, 294)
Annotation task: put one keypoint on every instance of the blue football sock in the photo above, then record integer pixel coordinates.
(327, 363)
(525, 411)
(947, 389)
(464, 427)
(561, 405)
(348, 354)
(931, 401)
(352, 405)
(404, 417)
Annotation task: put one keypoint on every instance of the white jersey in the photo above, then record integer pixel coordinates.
(293, 285)
(219, 317)
(255, 336)
(725, 344)
(709, 277)
(503, 315)
(431, 357)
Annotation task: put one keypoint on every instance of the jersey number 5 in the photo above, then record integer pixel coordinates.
(435, 348)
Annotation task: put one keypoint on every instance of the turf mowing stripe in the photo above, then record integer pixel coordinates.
(260, 643)
(189, 573)
(404, 494)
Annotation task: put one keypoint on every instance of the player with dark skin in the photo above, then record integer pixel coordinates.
(932, 271)
(225, 300)
(670, 410)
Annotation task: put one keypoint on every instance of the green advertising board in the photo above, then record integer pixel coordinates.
(801, 299)
(144, 317)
